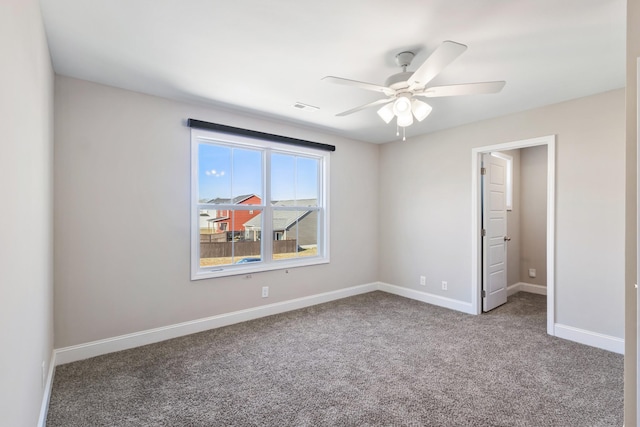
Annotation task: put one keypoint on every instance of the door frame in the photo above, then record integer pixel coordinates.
(476, 218)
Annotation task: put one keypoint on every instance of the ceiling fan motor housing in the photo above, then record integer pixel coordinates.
(399, 81)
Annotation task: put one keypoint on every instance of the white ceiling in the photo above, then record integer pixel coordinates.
(261, 57)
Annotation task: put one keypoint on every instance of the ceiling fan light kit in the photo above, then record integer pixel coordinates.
(405, 120)
(403, 108)
(386, 113)
(402, 88)
(402, 105)
(420, 109)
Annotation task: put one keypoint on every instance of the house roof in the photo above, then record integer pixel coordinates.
(282, 220)
(235, 201)
(298, 203)
(209, 219)
(218, 219)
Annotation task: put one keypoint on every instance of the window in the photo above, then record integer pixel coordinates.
(256, 205)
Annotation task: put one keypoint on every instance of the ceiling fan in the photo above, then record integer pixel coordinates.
(403, 89)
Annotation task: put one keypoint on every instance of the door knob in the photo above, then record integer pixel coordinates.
(507, 239)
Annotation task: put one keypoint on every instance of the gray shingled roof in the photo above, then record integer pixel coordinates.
(236, 200)
(298, 203)
(283, 219)
(220, 218)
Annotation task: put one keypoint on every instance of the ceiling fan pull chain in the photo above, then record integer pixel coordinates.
(404, 134)
(397, 129)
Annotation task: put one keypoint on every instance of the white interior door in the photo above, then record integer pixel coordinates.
(494, 226)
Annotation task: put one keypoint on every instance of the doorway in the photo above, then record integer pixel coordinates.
(476, 221)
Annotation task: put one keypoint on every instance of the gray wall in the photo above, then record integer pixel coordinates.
(26, 251)
(122, 216)
(590, 136)
(631, 216)
(533, 214)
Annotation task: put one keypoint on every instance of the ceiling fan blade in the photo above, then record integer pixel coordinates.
(463, 89)
(362, 107)
(440, 58)
(362, 85)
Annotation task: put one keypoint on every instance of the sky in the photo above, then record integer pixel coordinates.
(227, 172)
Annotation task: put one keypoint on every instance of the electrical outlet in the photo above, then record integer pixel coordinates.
(532, 272)
(265, 291)
(423, 281)
(444, 285)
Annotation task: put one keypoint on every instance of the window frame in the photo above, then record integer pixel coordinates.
(199, 136)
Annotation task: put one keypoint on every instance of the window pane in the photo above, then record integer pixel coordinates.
(283, 177)
(294, 180)
(252, 226)
(307, 181)
(214, 173)
(247, 245)
(295, 233)
(247, 177)
(225, 240)
(229, 175)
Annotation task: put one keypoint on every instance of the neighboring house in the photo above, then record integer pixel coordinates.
(288, 224)
(220, 220)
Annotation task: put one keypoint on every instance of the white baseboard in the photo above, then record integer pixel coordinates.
(526, 287)
(44, 408)
(150, 336)
(438, 300)
(593, 339)
(137, 339)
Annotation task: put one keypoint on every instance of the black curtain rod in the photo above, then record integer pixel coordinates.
(199, 124)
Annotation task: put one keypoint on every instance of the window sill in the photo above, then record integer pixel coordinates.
(239, 270)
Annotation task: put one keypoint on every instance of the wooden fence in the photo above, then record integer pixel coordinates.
(242, 249)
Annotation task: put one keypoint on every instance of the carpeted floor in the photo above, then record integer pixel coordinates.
(370, 360)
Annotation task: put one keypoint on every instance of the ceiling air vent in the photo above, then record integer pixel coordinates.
(305, 107)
